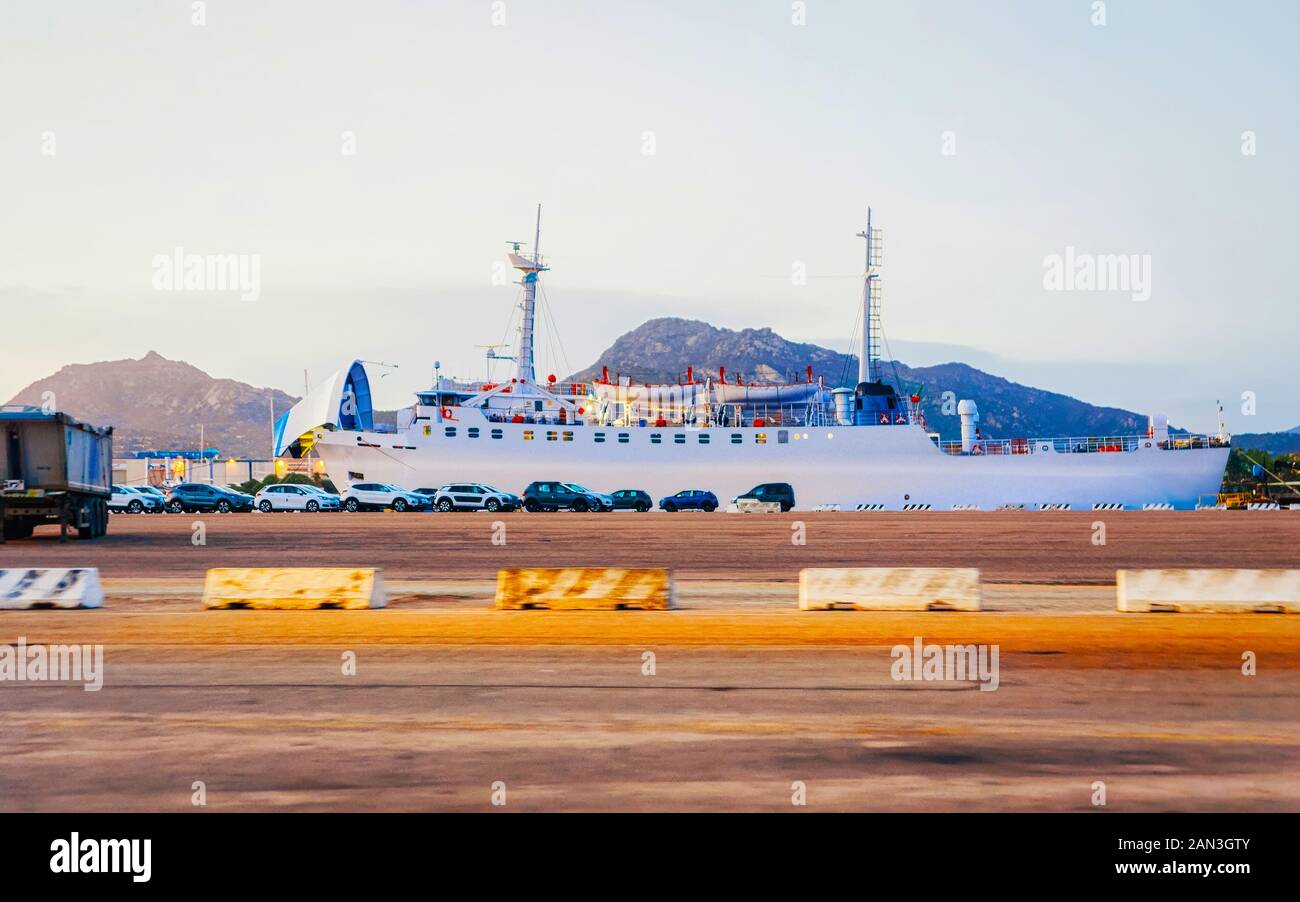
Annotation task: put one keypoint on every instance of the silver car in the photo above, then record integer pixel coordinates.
(474, 496)
(129, 499)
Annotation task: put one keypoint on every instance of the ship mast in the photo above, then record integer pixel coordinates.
(869, 352)
(530, 267)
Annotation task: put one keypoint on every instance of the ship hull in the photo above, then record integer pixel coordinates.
(885, 467)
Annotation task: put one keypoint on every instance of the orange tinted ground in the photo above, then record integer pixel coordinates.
(1107, 641)
(747, 696)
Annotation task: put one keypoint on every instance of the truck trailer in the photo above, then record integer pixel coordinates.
(55, 469)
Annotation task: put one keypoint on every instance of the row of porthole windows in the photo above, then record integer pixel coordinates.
(656, 438)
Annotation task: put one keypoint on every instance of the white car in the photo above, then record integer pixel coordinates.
(290, 497)
(152, 491)
(377, 496)
(128, 499)
(474, 496)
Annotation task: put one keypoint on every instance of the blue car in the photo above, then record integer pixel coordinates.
(691, 499)
(194, 497)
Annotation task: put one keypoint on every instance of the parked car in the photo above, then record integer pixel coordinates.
(192, 497)
(473, 496)
(690, 499)
(156, 492)
(606, 501)
(632, 499)
(377, 496)
(780, 492)
(292, 497)
(129, 499)
(555, 496)
(428, 492)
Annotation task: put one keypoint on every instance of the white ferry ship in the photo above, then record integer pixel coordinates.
(859, 447)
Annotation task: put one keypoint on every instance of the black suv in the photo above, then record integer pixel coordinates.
(780, 492)
(632, 499)
(197, 496)
(556, 496)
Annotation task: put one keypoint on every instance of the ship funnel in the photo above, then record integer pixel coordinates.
(843, 406)
(1158, 428)
(970, 417)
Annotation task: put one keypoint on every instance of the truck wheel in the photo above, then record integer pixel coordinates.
(18, 529)
(91, 529)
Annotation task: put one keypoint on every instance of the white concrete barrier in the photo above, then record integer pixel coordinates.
(1108, 506)
(965, 507)
(1054, 506)
(754, 506)
(1263, 506)
(823, 508)
(916, 507)
(62, 587)
(585, 588)
(870, 507)
(1161, 506)
(1208, 591)
(294, 588)
(890, 589)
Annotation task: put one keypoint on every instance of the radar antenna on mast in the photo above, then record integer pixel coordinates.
(530, 266)
(492, 356)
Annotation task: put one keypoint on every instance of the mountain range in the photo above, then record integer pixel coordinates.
(156, 404)
(660, 350)
(159, 404)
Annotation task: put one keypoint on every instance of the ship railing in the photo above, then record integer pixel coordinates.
(474, 387)
(774, 415)
(1185, 442)
(1092, 444)
(987, 446)
(531, 416)
(1081, 444)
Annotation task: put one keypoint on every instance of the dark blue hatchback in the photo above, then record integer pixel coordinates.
(691, 499)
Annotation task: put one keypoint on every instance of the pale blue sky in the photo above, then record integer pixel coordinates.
(771, 140)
